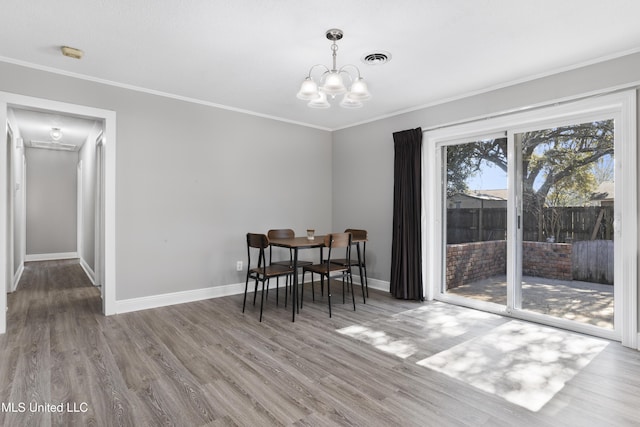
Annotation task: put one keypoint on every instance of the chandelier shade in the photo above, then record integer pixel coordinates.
(332, 82)
(348, 102)
(308, 90)
(359, 90)
(320, 101)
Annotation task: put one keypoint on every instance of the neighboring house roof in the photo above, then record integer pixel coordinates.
(501, 194)
(605, 191)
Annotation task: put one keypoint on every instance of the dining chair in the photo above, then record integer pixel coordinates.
(283, 233)
(261, 272)
(358, 236)
(332, 270)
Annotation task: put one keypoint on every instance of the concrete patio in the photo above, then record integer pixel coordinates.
(584, 302)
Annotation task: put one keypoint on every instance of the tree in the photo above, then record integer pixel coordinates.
(555, 162)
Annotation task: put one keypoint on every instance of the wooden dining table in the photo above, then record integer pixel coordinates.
(297, 243)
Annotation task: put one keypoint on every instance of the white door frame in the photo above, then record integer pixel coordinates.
(109, 152)
(620, 105)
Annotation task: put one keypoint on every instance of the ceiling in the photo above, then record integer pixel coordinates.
(35, 129)
(252, 55)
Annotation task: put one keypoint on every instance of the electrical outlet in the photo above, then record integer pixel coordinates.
(239, 266)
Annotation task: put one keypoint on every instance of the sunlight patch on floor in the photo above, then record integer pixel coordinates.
(436, 320)
(526, 364)
(380, 340)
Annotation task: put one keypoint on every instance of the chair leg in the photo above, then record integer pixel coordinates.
(246, 285)
(353, 295)
(255, 291)
(366, 279)
(313, 291)
(286, 292)
(262, 298)
(277, 290)
(302, 291)
(343, 288)
(363, 281)
(329, 294)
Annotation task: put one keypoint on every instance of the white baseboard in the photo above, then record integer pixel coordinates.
(379, 285)
(163, 300)
(16, 278)
(90, 274)
(51, 257)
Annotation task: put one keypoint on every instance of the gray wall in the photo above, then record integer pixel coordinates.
(51, 201)
(192, 180)
(363, 155)
(190, 177)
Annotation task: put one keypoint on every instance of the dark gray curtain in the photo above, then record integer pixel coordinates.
(406, 247)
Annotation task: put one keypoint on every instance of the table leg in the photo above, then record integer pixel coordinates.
(295, 284)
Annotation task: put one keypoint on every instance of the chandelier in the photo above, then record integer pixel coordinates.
(331, 83)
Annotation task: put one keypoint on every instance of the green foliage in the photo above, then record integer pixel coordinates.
(561, 166)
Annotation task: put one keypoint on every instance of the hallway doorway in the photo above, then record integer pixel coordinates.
(104, 247)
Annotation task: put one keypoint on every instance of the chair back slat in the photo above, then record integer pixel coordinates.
(337, 240)
(259, 241)
(283, 233)
(357, 234)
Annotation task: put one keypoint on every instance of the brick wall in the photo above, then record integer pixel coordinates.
(550, 260)
(470, 262)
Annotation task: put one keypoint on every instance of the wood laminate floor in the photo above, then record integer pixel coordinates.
(206, 363)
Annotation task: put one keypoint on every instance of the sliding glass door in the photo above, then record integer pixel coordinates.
(567, 184)
(475, 189)
(526, 221)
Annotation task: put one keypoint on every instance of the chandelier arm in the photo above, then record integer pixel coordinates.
(318, 65)
(342, 69)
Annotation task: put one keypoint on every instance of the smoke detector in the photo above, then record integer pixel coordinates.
(71, 52)
(376, 58)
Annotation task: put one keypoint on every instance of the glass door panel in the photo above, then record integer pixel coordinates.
(475, 191)
(567, 205)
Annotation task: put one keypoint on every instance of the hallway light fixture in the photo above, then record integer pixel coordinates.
(55, 134)
(331, 84)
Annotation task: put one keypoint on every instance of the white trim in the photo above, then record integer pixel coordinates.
(156, 92)
(379, 285)
(163, 300)
(504, 85)
(50, 256)
(79, 208)
(17, 277)
(373, 119)
(90, 274)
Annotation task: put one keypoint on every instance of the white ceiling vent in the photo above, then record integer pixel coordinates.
(376, 58)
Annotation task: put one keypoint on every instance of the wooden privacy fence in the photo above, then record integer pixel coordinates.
(565, 224)
(592, 261)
